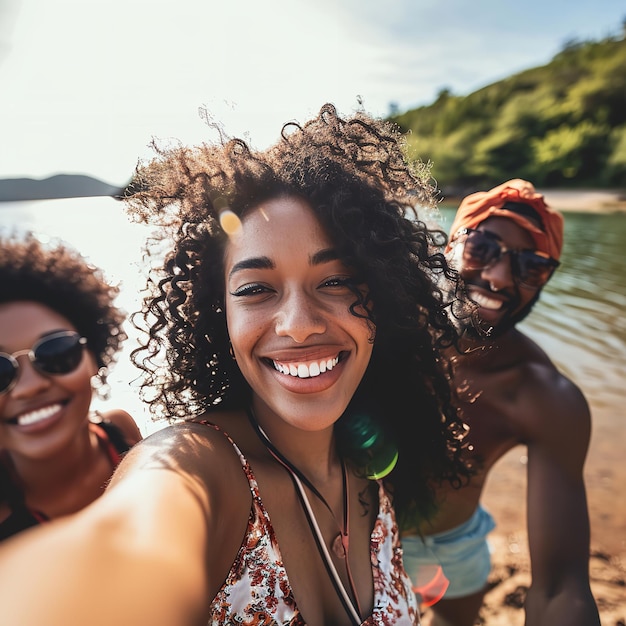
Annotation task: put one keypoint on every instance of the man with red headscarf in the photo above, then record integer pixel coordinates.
(506, 244)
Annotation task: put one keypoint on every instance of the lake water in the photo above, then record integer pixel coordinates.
(579, 319)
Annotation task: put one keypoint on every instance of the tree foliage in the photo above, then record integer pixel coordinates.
(562, 124)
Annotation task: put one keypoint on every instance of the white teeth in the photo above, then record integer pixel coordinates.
(39, 415)
(304, 370)
(485, 301)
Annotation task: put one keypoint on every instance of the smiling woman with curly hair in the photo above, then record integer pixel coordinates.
(294, 330)
(59, 332)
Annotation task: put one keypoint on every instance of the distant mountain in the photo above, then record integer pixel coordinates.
(59, 186)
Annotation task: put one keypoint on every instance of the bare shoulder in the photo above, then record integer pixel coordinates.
(125, 422)
(555, 405)
(199, 453)
(556, 394)
(539, 400)
(190, 447)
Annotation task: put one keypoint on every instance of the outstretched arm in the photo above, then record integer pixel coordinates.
(137, 555)
(558, 520)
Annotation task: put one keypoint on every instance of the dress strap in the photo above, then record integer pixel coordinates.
(298, 478)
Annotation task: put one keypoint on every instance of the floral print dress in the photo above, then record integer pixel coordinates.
(257, 592)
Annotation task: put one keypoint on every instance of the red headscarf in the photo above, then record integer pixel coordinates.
(479, 206)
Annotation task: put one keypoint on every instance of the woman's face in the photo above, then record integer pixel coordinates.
(287, 307)
(42, 413)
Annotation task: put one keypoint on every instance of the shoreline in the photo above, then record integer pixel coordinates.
(573, 200)
(566, 200)
(588, 201)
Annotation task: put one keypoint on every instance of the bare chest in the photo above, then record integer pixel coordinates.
(494, 408)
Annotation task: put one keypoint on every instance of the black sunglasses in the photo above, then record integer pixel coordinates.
(529, 268)
(58, 353)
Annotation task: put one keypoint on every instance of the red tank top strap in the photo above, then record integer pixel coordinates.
(114, 456)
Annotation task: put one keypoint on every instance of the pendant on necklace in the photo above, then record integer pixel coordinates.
(338, 547)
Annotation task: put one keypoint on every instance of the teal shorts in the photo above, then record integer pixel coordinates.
(463, 553)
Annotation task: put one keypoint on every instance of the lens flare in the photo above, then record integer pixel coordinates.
(230, 223)
(431, 584)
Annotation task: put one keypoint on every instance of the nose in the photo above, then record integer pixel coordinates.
(300, 316)
(29, 381)
(499, 274)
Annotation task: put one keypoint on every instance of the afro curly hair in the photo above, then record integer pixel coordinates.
(60, 278)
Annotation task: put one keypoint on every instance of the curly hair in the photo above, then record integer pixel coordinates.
(356, 176)
(61, 279)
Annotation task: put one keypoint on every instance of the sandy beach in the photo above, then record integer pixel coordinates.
(583, 200)
(591, 201)
(510, 577)
(605, 476)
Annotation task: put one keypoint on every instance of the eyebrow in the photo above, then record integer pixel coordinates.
(265, 263)
(324, 256)
(253, 263)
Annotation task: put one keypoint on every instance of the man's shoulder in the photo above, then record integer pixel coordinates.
(526, 389)
(551, 402)
(540, 372)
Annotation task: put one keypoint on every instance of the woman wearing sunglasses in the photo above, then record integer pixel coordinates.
(295, 335)
(506, 243)
(59, 331)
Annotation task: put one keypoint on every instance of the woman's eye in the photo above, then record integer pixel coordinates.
(340, 285)
(250, 290)
(338, 281)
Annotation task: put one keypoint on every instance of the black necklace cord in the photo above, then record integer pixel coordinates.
(352, 607)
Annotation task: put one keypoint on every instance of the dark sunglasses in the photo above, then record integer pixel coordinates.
(56, 354)
(529, 268)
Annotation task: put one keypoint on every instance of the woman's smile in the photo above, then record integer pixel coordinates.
(306, 369)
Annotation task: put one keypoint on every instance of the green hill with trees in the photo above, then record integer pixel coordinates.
(559, 125)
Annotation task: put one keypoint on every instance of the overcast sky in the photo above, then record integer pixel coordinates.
(85, 84)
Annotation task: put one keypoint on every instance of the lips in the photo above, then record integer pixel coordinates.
(306, 369)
